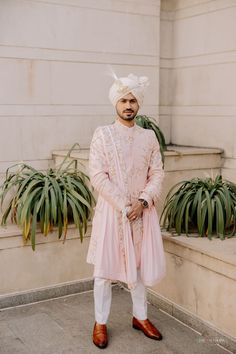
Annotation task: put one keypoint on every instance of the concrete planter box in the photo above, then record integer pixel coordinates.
(52, 263)
(201, 280)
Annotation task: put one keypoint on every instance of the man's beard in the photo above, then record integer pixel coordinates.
(125, 117)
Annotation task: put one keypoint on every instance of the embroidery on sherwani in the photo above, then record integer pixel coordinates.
(128, 251)
(112, 148)
(135, 170)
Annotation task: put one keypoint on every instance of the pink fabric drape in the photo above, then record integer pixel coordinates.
(152, 245)
(153, 264)
(130, 259)
(118, 248)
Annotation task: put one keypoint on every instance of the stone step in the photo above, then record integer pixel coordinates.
(182, 158)
(177, 158)
(81, 156)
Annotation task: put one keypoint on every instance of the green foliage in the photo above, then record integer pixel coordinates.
(206, 206)
(149, 123)
(49, 198)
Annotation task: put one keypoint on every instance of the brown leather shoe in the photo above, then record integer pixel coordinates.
(100, 338)
(147, 328)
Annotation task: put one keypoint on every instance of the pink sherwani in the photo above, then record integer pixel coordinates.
(124, 165)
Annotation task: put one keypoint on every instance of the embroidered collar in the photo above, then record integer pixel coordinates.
(123, 128)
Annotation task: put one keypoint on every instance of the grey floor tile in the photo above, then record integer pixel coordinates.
(64, 326)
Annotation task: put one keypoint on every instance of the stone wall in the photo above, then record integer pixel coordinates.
(54, 58)
(200, 279)
(52, 263)
(198, 75)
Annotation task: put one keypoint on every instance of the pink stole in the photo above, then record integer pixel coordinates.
(153, 267)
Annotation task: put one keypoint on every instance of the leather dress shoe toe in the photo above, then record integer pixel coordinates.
(100, 338)
(147, 328)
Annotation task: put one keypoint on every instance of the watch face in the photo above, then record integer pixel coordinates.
(144, 203)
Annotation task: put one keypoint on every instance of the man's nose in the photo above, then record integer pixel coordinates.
(128, 105)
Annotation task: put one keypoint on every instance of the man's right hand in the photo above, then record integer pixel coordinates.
(135, 212)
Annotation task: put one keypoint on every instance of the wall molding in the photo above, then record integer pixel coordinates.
(8, 51)
(63, 110)
(200, 110)
(201, 60)
(151, 9)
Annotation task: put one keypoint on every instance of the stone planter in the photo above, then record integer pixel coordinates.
(201, 279)
(52, 263)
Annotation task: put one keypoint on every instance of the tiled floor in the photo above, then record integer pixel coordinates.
(65, 325)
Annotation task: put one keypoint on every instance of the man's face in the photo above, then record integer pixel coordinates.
(127, 107)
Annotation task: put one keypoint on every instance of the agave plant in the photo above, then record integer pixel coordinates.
(149, 123)
(49, 199)
(206, 206)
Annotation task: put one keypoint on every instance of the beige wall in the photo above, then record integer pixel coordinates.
(166, 49)
(198, 74)
(54, 58)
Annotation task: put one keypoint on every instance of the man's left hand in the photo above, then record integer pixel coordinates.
(135, 211)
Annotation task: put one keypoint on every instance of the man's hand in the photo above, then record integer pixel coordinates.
(135, 211)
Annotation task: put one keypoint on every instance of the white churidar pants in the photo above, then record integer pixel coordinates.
(103, 295)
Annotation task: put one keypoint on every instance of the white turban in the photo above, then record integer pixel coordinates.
(130, 84)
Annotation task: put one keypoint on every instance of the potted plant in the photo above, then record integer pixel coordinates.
(206, 206)
(149, 123)
(48, 199)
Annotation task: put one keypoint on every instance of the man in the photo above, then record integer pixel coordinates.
(126, 244)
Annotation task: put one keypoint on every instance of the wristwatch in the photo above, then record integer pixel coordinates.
(143, 202)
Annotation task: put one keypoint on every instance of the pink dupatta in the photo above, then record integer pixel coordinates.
(130, 260)
(153, 265)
